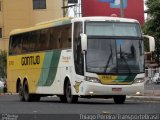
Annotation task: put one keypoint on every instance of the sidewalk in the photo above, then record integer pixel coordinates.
(149, 95)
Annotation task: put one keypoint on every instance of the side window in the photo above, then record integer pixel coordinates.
(78, 56)
(60, 37)
(43, 40)
(54, 38)
(37, 34)
(10, 45)
(15, 45)
(66, 37)
(25, 42)
(32, 41)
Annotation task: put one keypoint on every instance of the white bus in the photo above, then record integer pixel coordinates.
(88, 57)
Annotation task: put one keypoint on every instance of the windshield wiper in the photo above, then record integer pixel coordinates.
(122, 58)
(111, 55)
(106, 66)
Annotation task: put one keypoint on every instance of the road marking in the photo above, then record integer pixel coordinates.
(144, 101)
(151, 101)
(106, 112)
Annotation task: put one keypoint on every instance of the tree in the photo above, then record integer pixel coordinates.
(3, 64)
(152, 26)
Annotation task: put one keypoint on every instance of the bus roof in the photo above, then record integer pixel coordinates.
(67, 20)
(43, 25)
(105, 18)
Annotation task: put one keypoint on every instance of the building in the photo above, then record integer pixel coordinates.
(132, 8)
(16, 14)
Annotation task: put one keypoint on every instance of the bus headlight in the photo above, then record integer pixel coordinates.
(92, 79)
(138, 80)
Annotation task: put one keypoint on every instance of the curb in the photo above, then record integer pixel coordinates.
(8, 94)
(146, 98)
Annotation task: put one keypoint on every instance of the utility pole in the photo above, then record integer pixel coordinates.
(67, 4)
(122, 8)
(65, 7)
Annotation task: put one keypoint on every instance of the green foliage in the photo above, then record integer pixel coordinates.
(3, 64)
(152, 26)
(146, 45)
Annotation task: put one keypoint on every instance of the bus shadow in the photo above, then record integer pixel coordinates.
(93, 102)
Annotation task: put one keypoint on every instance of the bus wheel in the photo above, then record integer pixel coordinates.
(27, 96)
(20, 92)
(119, 99)
(68, 94)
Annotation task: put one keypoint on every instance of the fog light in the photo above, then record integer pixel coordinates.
(138, 93)
(91, 92)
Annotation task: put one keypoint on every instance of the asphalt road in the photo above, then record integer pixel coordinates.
(51, 107)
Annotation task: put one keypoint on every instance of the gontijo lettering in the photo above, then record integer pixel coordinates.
(30, 60)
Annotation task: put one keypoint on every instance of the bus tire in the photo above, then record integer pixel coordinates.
(28, 97)
(68, 94)
(119, 99)
(20, 92)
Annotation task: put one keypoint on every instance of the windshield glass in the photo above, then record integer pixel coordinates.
(106, 55)
(113, 29)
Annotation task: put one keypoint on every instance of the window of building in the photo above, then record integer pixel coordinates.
(0, 32)
(39, 4)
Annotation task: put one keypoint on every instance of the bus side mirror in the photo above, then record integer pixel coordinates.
(84, 42)
(151, 42)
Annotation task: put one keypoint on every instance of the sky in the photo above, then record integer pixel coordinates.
(145, 8)
(145, 5)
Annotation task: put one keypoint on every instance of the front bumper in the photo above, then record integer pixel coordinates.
(88, 88)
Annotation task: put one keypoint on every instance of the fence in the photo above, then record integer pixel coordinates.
(151, 72)
(151, 88)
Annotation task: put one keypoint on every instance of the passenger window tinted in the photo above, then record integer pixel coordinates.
(60, 37)
(54, 41)
(15, 45)
(32, 41)
(66, 38)
(40, 40)
(43, 40)
(25, 42)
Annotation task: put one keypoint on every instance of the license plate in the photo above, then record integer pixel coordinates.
(117, 89)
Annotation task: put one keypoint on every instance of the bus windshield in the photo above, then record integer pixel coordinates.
(113, 29)
(117, 49)
(114, 56)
